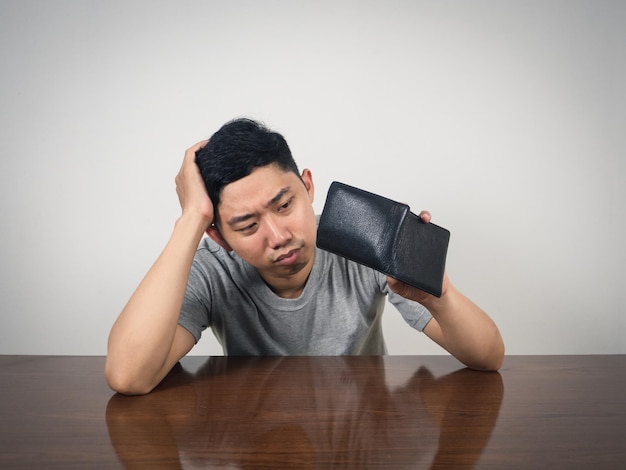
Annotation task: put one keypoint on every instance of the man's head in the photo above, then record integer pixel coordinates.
(238, 148)
(263, 206)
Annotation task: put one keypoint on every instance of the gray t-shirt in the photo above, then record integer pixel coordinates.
(338, 313)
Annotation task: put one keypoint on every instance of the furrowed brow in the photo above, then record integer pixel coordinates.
(278, 196)
(238, 219)
(244, 217)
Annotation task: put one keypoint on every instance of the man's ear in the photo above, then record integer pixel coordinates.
(307, 179)
(215, 235)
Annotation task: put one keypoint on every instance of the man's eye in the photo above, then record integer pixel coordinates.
(247, 228)
(286, 205)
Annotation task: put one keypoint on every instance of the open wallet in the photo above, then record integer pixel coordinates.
(384, 235)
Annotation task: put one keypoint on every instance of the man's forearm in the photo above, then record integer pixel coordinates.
(466, 331)
(141, 338)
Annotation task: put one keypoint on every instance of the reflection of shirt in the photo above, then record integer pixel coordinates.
(339, 421)
(338, 313)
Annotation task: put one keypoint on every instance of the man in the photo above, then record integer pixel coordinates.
(259, 281)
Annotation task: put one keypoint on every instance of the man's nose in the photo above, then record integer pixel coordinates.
(277, 234)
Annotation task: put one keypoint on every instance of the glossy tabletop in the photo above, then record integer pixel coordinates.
(391, 412)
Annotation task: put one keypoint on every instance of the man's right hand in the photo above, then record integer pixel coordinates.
(192, 194)
(146, 339)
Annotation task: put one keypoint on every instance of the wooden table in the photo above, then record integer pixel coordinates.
(391, 412)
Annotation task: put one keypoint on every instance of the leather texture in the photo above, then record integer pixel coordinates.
(384, 235)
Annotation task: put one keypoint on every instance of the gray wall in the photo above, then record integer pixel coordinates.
(505, 119)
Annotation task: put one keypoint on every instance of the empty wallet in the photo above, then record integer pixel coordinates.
(384, 235)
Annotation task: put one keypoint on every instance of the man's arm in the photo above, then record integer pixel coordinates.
(146, 341)
(458, 324)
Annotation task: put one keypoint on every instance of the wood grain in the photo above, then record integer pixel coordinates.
(317, 412)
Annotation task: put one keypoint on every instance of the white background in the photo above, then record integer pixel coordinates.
(505, 119)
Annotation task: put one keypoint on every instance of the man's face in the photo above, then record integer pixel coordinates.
(267, 218)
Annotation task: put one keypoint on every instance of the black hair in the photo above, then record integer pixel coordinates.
(237, 149)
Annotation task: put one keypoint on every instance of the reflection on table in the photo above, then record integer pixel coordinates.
(307, 412)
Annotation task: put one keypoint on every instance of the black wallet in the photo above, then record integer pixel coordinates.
(384, 235)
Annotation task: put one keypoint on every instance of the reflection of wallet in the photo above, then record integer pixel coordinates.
(384, 235)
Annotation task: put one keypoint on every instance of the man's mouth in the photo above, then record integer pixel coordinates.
(288, 257)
